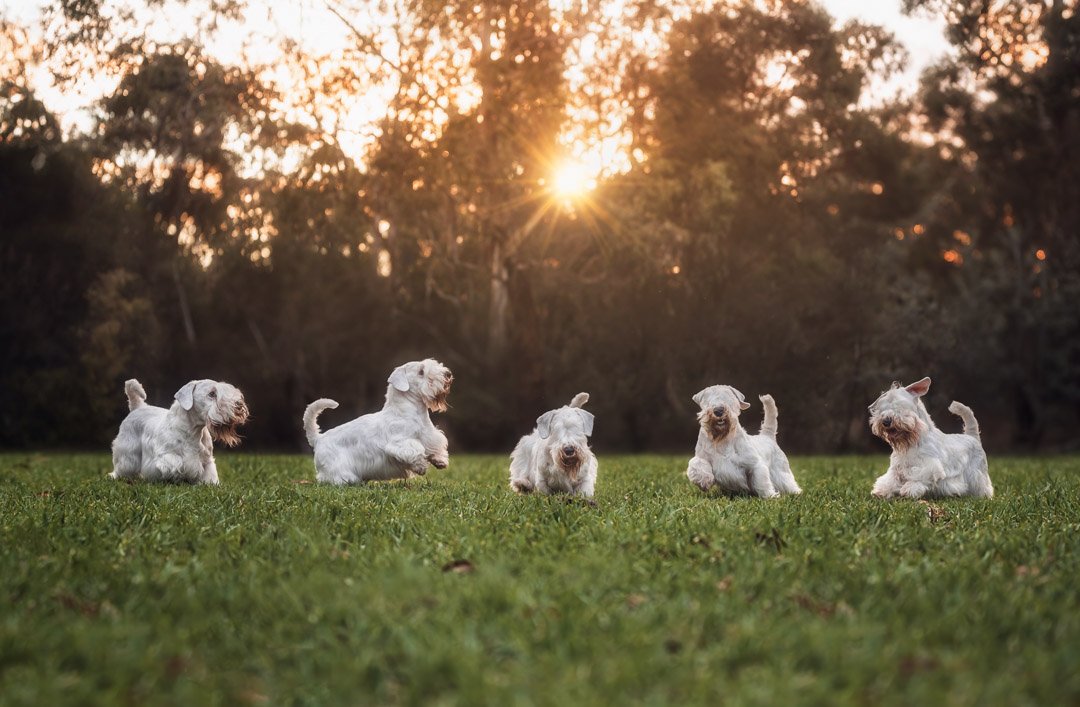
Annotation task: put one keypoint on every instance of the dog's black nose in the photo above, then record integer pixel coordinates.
(887, 421)
(719, 412)
(569, 451)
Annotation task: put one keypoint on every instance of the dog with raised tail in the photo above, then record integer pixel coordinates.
(177, 445)
(728, 457)
(925, 461)
(397, 442)
(555, 457)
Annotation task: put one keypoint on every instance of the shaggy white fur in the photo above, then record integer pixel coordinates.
(394, 443)
(177, 445)
(727, 457)
(925, 461)
(555, 457)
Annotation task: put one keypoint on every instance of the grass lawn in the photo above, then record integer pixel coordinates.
(452, 590)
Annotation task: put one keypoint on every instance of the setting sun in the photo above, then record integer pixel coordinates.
(572, 180)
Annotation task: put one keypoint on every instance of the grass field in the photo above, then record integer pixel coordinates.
(451, 590)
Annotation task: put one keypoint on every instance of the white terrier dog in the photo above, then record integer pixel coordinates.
(177, 445)
(555, 457)
(397, 442)
(925, 461)
(728, 457)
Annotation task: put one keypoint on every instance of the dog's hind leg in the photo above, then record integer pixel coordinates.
(127, 460)
(760, 481)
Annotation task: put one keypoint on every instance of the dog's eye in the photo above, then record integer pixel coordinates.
(212, 394)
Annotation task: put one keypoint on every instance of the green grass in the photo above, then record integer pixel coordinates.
(451, 590)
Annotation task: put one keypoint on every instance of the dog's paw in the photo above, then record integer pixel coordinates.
(912, 491)
(522, 487)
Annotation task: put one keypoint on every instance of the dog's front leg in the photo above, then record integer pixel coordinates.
(409, 453)
(922, 480)
(170, 468)
(588, 485)
(700, 472)
(437, 449)
(761, 482)
(887, 485)
(206, 456)
(913, 489)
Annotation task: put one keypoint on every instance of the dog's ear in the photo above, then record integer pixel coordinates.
(587, 419)
(699, 396)
(399, 379)
(543, 424)
(743, 405)
(186, 396)
(919, 388)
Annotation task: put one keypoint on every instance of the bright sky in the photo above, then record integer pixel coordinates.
(924, 37)
(312, 26)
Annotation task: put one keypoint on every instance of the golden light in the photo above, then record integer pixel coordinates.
(572, 180)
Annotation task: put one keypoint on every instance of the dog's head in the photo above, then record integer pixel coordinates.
(219, 406)
(720, 407)
(428, 381)
(898, 416)
(565, 432)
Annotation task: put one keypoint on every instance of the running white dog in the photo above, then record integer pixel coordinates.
(397, 442)
(555, 457)
(177, 445)
(925, 461)
(728, 457)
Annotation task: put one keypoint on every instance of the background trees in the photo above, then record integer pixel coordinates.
(757, 220)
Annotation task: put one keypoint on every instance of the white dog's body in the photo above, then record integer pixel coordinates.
(396, 442)
(925, 461)
(737, 462)
(177, 445)
(555, 457)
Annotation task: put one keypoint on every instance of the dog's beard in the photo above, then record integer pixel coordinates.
(570, 465)
(437, 402)
(718, 428)
(900, 437)
(225, 432)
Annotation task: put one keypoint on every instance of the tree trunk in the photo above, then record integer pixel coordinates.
(499, 308)
(185, 310)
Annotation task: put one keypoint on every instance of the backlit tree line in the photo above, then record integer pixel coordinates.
(764, 218)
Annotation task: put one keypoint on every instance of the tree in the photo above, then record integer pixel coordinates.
(1002, 235)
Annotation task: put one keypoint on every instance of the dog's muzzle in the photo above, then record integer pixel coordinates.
(716, 423)
(894, 431)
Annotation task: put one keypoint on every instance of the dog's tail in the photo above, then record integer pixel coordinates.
(579, 400)
(311, 416)
(971, 425)
(136, 395)
(768, 424)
